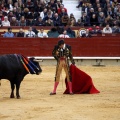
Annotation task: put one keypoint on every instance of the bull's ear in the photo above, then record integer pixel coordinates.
(32, 58)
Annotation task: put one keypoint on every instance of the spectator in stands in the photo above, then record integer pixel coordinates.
(92, 1)
(65, 19)
(10, 5)
(53, 33)
(85, 19)
(30, 5)
(9, 33)
(109, 20)
(116, 29)
(118, 20)
(49, 22)
(39, 8)
(39, 22)
(10, 15)
(85, 33)
(90, 30)
(5, 22)
(36, 15)
(1, 18)
(64, 35)
(94, 20)
(80, 4)
(72, 17)
(48, 6)
(107, 29)
(14, 1)
(97, 5)
(90, 6)
(62, 13)
(99, 11)
(114, 3)
(79, 23)
(20, 3)
(85, 7)
(14, 22)
(101, 19)
(48, 16)
(56, 20)
(60, 9)
(6, 10)
(20, 33)
(96, 30)
(115, 11)
(30, 33)
(26, 13)
(42, 34)
(16, 14)
(2, 6)
(15, 5)
(72, 22)
(115, 22)
(118, 10)
(22, 21)
(106, 6)
(30, 21)
(70, 32)
(110, 12)
(43, 14)
(91, 12)
(53, 6)
(88, 34)
(35, 31)
(58, 3)
(81, 32)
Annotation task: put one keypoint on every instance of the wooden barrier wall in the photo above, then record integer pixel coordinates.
(82, 47)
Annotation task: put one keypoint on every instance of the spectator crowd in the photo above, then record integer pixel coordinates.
(95, 14)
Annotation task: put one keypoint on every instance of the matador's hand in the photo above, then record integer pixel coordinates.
(73, 63)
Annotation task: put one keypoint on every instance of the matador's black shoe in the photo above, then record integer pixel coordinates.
(52, 93)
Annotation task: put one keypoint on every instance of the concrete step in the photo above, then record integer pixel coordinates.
(71, 8)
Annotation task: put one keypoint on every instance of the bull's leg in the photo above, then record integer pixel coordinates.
(17, 90)
(12, 90)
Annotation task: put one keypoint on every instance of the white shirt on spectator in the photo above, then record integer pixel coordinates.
(11, 7)
(29, 34)
(5, 23)
(42, 15)
(107, 30)
(42, 35)
(63, 36)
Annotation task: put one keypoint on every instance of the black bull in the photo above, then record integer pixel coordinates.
(12, 67)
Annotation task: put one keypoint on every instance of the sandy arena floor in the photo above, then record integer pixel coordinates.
(37, 104)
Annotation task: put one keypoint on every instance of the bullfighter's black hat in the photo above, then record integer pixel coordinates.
(60, 42)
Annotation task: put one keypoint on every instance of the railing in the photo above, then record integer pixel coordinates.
(81, 47)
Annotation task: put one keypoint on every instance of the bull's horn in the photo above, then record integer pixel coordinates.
(37, 60)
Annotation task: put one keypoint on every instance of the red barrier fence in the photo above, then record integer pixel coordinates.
(81, 47)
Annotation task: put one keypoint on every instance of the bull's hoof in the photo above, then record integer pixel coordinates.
(18, 97)
(12, 96)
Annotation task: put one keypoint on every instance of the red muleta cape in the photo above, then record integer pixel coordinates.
(81, 82)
